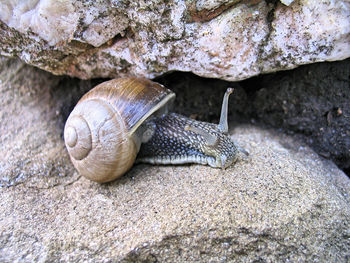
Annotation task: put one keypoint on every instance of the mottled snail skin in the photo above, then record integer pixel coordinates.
(176, 139)
(172, 143)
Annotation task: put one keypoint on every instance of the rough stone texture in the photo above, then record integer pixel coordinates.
(313, 101)
(225, 39)
(283, 203)
(31, 122)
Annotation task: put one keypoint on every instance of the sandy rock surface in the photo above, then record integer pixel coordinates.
(283, 203)
(32, 115)
(228, 39)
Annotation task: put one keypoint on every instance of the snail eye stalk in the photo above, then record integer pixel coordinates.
(223, 126)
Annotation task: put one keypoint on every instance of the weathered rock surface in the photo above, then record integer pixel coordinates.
(283, 203)
(31, 121)
(313, 101)
(228, 39)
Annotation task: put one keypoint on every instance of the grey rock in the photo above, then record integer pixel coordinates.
(31, 121)
(313, 101)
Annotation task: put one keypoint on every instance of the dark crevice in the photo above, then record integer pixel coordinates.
(118, 37)
(193, 15)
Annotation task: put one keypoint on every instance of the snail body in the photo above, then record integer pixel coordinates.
(120, 118)
(178, 139)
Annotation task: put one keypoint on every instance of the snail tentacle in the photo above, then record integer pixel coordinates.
(223, 126)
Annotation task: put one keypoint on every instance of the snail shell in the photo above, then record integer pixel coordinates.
(100, 133)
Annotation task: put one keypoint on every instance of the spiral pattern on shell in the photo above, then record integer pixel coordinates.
(100, 131)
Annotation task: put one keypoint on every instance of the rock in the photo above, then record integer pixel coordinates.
(287, 2)
(283, 203)
(32, 114)
(230, 40)
(313, 101)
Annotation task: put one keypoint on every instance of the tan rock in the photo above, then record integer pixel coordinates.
(31, 119)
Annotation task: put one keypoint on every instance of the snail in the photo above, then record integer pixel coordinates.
(123, 119)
